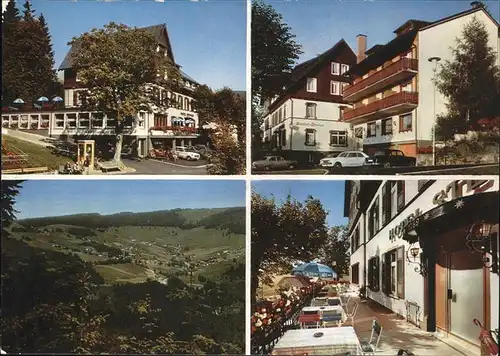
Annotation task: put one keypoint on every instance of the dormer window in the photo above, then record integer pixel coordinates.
(345, 68)
(311, 85)
(335, 68)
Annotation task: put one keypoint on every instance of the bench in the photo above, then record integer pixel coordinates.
(109, 166)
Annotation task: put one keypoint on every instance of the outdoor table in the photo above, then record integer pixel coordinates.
(334, 301)
(319, 301)
(322, 341)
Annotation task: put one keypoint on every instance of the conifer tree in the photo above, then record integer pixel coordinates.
(10, 79)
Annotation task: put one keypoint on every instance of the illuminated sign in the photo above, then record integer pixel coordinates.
(398, 231)
(309, 124)
(458, 188)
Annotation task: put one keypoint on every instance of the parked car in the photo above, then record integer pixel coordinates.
(273, 163)
(187, 154)
(345, 159)
(390, 158)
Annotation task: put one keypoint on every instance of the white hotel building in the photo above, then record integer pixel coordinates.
(414, 245)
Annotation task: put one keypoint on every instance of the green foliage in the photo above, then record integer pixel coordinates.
(119, 64)
(470, 82)
(10, 189)
(27, 56)
(232, 219)
(284, 233)
(274, 51)
(226, 111)
(335, 251)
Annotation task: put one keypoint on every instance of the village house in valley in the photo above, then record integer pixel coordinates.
(392, 95)
(428, 250)
(172, 122)
(304, 122)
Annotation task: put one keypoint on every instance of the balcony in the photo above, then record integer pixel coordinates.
(177, 131)
(392, 105)
(396, 72)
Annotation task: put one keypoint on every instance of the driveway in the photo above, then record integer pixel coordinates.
(154, 167)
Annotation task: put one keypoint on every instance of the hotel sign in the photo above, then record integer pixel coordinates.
(309, 124)
(458, 188)
(398, 231)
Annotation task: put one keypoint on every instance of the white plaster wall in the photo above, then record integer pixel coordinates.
(324, 110)
(381, 243)
(298, 129)
(396, 137)
(437, 41)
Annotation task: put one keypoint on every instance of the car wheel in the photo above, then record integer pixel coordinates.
(387, 165)
(338, 165)
(291, 166)
(267, 168)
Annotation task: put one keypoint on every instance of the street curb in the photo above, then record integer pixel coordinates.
(176, 165)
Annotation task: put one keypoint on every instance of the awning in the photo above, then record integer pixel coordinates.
(452, 214)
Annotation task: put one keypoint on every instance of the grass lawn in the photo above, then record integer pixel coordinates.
(122, 272)
(38, 156)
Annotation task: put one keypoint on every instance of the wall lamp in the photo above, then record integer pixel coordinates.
(415, 252)
(480, 239)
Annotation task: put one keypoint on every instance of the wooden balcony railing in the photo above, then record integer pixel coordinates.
(381, 105)
(404, 64)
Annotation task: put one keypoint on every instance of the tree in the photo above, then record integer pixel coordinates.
(10, 189)
(257, 119)
(284, 233)
(274, 51)
(225, 111)
(470, 82)
(10, 52)
(335, 252)
(119, 66)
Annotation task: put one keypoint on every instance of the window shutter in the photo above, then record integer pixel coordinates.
(401, 273)
(377, 273)
(384, 275)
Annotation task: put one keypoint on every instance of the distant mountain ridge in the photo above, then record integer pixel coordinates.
(232, 219)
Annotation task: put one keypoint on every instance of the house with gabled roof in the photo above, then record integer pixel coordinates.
(394, 103)
(172, 122)
(303, 123)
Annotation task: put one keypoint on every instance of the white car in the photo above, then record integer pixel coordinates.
(187, 154)
(345, 159)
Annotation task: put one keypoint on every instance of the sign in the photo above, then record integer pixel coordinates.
(398, 231)
(187, 114)
(458, 188)
(309, 124)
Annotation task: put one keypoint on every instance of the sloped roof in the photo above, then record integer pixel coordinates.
(159, 32)
(187, 77)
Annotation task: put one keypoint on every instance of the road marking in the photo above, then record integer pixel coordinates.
(176, 165)
(449, 169)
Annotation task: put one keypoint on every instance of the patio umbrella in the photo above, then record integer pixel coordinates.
(56, 99)
(313, 269)
(43, 99)
(18, 101)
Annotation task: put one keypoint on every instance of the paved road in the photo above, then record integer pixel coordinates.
(156, 168)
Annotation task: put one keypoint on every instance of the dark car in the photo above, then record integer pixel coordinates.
(390, 158)
(273, 163)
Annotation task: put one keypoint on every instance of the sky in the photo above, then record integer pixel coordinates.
(39, 198)
(208, 37)
(330, 193)
(319, 24)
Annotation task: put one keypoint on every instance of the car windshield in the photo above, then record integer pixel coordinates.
(333, 155)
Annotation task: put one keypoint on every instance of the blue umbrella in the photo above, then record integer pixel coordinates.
(57, 99)
(19, 101)
(43, 99)
(313, 269)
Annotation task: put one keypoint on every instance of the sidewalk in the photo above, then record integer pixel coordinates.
(397, 333)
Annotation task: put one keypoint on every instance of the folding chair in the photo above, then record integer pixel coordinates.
(331, 318)
(350, 316)
(371, 346)
(309, 321)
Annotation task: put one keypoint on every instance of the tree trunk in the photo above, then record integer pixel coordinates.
(119, 142)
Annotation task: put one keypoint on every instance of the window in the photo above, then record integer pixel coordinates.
(393, 276)
(84, 120)
(406, 88)
(142, 118)
(355, 239)
(338, 138)
(405, 123)
(372, 130)
(335, 88)
(335, 68)
(59, 120)
(283, 137)
(310, 110)
(401, 194)
(386, 127)
(311, 85)
(71, 120)
(345, 68)
(310, 137)
(355, 273)
(373, 219)
(374, 274)
(386, 203)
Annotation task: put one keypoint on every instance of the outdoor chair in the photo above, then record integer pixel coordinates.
(345, 300)
(334, 301)
(309, 321)
(371, 346)
(350, 316)
(331, 318)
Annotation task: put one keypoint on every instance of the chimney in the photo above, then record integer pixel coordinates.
(476, 4)
(361, 44)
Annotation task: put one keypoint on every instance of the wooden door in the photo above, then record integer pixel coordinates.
(442, 291)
